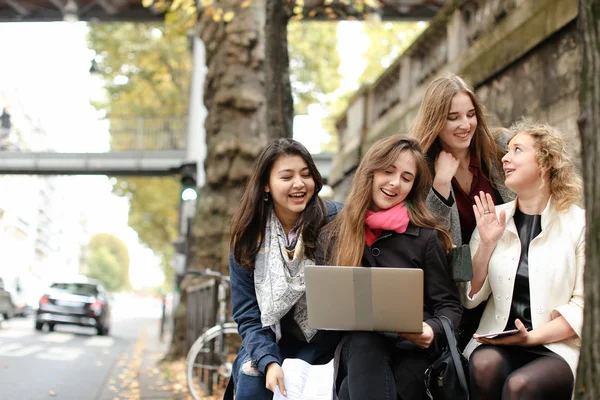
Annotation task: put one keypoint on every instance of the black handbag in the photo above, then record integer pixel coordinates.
(445, 379)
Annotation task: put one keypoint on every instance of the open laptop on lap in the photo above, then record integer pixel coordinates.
(364, 299)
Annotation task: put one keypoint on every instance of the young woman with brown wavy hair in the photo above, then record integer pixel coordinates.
(386, 223)
(528, 260)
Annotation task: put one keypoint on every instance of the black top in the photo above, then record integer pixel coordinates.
(528, 227)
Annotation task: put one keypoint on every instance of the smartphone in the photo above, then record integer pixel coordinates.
(496, 334)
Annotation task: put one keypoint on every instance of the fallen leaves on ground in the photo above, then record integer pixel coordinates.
(168, 378)
(175, 371)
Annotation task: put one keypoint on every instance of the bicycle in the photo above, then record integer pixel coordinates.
(207, 359)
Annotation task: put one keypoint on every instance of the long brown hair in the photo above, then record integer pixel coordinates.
(250, 220)
(433, 114)
(347, 231)
(552, 155)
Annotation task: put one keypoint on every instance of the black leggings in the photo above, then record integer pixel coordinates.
(366, 359)
(508, 372)
(375, 367)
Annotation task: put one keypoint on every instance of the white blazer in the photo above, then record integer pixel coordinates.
(556, 264)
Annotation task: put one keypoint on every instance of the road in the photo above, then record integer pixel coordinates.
(73, 362)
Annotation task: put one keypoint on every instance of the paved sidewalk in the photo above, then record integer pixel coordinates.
(140, 374)
(160, 380)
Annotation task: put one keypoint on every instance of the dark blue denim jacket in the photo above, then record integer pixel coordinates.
(258, 341)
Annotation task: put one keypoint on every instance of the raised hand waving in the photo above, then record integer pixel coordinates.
(490, 226)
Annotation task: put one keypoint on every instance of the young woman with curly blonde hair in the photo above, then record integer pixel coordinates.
(528, 263)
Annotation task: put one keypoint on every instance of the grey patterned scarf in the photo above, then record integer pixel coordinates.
(279, 280)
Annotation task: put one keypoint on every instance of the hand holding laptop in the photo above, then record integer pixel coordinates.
(423, 339)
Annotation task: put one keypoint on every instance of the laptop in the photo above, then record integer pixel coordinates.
(364, 299)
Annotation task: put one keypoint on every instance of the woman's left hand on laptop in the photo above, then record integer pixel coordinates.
(423, 339)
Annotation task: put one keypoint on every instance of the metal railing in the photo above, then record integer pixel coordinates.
(202, 304)
(148, 133)
(127, 133)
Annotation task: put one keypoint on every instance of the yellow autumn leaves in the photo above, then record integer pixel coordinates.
(208, 7)
(218, 14)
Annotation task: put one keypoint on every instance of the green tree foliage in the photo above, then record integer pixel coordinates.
(109, 261)
(146, 69)
(387, 41)
(314, 62)
(104, 267)
(153, 212)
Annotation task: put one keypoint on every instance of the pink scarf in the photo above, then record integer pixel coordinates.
(393, 219)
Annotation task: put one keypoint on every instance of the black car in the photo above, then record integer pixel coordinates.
(75, 303)
(6, 307)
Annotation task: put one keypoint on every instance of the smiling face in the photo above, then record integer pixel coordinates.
(392, 184)
(460, 124)
(291, 187)
(520, 164)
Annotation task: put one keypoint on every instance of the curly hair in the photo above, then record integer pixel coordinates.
(553, 155)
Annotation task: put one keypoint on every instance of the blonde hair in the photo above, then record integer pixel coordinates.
(553, 156)
(347, 231)
(433, 114)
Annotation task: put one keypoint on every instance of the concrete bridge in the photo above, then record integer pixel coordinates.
(520, 55)
(140, 146)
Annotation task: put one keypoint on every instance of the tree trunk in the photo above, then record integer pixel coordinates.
(280, 105)
(238, 100)
(588, 384)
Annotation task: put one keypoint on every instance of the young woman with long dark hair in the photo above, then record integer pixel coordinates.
(274, 234)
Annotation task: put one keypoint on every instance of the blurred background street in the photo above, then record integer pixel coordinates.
(75, 363)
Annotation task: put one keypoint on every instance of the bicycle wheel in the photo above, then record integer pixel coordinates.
(209, 358)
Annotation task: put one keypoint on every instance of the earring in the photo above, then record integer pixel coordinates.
(266, 196)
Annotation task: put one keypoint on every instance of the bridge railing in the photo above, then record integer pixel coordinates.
(127, 133)
(148, 133)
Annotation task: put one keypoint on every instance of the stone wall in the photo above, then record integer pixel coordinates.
(543, 85)
(520, 55)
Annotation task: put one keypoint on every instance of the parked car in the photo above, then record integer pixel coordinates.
(6, 307)
(17, 298)
(84, 303)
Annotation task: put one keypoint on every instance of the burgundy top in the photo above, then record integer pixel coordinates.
(466, 201)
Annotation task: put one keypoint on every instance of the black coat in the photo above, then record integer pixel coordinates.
(415, 248)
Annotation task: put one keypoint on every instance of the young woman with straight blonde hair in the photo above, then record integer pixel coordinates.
(464, 158)
(386, 223)
(463, 154)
